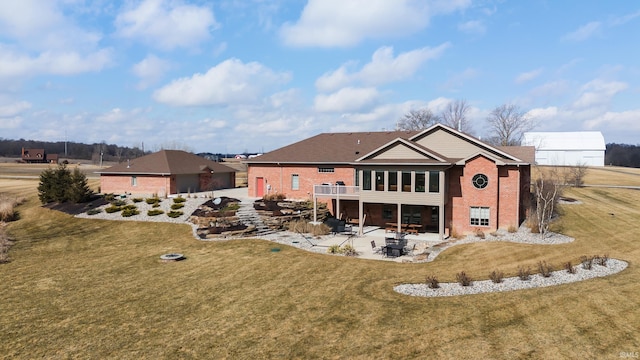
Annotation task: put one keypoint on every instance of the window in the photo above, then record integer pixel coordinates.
(434, 181)
(393, 181)
(325, 170)
(366, 180)
(134, 181)
(480, 181)
(295, 182)
(357, 178)
(420, 178)
(479, 216)
(387, 211)
(406, 181)
(379, 180)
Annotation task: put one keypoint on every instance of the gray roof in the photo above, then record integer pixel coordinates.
(167, 162)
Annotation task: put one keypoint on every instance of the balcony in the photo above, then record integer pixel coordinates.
(336, 191)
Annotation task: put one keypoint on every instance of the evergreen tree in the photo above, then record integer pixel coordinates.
(78, 190)
(62, 185)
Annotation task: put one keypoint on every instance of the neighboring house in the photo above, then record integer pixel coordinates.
(38, 156)
(567, 148)
(166, 172)
(433, 180)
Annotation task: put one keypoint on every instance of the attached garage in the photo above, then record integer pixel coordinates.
(567, 148)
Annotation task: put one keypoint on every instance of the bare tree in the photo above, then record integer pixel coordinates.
(417, 120)
(508, 123)
(455, 116)
(576, 174)
(547, 189)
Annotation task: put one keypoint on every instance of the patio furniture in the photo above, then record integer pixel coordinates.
(394, 250)
(376, 249)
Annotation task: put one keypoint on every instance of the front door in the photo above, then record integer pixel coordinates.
(259, 187)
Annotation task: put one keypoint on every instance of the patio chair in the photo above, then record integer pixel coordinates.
(376, 249)
(409, 250)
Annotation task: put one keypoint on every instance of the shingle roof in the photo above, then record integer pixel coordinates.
(331, 148)
(347, 148)
(167, 162)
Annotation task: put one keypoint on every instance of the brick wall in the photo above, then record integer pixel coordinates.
(146, 185)
(278, 178)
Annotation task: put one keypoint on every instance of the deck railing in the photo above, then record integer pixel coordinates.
(336, 190)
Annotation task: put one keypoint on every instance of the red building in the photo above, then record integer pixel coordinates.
(427, 181)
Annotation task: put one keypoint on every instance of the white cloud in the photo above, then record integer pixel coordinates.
(347, 100)
(383, 68)
(229, 82)
(551, 89)
(625, 120)
(528, 76)
(14, 109)
(584, 32)
(598, 93)
(150, 70)
(474, 27)
(329, 23)
(457, 81)
(166, 24)
(18, 64)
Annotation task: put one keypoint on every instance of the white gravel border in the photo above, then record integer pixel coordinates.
(559, 277)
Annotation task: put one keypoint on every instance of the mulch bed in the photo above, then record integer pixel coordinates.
(77, 208)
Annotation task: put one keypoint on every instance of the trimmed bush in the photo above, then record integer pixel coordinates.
(155, 212)
(178, 200)
(334, 249)
(130, 210)
(349, 250)
(174, 214)
(94, 211)
(119, 202)
(587, 262)
(602, 260)
(153, 200)
(137, 200)
(112, 209)
(274, 197)
(177, 206)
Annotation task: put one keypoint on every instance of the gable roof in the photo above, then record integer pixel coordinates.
(362, 147)
(168, 162)
(330, 148)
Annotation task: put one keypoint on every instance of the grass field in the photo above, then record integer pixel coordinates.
(79, 288)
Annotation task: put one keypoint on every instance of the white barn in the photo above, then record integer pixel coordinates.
(567, 148)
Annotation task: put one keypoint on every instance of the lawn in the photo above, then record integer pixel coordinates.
(82, 288)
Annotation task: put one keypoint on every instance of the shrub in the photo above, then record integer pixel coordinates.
(137, 200)
(544, 268)
(305, 227)
(94, 211)
(174, 214)
(109, 197)
(496, 276)
(61, 185)
(432, 282)
(177, 206)
(178, 200)
(130, 210)
(524, 274)
(587, 262)
(112, 209)
(334, 249)
(274, 197)
(118, 202)
(463, 279)
(569, 267)
(512, 229)
(349, 250)
(453, 232)
(153, 200)
(8, 207)
(602, 260)
(479, 233)
(155, 212)
(231, 207)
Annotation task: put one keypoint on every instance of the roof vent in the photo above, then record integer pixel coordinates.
(358, 141)
(128, 163)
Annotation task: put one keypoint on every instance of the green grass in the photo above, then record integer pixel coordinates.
(87, 288)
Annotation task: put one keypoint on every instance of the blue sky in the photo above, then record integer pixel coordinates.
(254, 75)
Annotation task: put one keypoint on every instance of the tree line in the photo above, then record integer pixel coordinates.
(71, 150)
(622, 155)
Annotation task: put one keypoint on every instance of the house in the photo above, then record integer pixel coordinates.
(567, 148)
(428, 181)
(166, 172)
(38, 156)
